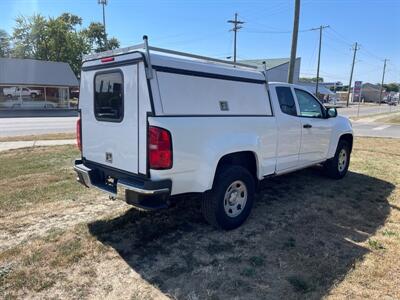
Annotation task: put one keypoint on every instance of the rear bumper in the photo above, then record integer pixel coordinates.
(135, 190)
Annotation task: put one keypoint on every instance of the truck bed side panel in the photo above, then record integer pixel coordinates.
(199, 143)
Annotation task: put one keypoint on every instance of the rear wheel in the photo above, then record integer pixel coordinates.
(337, 166)
(229, 202)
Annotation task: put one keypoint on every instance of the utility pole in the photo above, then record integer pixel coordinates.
(104, 3)
(355, 49)
(320, 28)
(236, 27)
(295, 34)
(383, 79)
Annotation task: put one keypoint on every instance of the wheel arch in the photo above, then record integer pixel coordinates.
(247, 159)
(348, 137)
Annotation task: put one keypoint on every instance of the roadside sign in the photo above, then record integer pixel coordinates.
(357, 90)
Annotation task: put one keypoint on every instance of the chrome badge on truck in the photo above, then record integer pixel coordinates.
(109, 157)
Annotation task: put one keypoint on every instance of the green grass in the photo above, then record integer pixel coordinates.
(35, 176)
(38, 137)
(376, 245)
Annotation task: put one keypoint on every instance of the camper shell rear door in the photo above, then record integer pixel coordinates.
(114, 104)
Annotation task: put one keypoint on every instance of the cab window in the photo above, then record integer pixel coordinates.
(286, 100)
(309, 106)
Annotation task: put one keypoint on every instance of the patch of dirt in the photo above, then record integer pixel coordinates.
(23, 226)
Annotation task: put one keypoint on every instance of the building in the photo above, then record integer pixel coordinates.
(36, 84)
(370, 92)
(277, 68)
(333, 86)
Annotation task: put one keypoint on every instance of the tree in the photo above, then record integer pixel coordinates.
(391, 87)
(58, 39)
(5, 48)
(311, 80)
(112, 43)
(97, 38)
(22, 37)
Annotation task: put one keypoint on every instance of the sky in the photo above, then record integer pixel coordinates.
(201, 27)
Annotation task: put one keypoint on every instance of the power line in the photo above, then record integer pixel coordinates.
(319, 54)
(250, 30)
(383, 80)
(372, 55)
(263, 13)
(355, 48)
(340, 37)
(236, 27)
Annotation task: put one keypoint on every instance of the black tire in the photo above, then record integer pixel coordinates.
(213, 207)
(33, 95)
(331, 166)
(9, 96)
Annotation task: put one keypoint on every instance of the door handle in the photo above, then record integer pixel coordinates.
(307, 126)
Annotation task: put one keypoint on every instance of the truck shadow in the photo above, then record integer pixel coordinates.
(299, 241)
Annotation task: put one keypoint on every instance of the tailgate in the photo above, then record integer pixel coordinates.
(114, 103)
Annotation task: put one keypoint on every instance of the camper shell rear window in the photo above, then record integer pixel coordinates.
(109, 96)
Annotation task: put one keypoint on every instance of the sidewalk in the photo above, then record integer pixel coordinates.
(38, 113)
(4, 146)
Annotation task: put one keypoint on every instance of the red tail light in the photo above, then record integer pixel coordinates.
(160, 148)
(107, 59)
(78, 134)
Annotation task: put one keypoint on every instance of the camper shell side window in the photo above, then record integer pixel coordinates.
(109, 96)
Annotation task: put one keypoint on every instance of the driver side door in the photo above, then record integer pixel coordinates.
(316, 129)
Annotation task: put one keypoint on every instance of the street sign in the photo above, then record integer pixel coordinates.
(357, 90)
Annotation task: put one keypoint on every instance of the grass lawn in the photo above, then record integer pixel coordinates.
(391, 119)
(32, 177)
(38, 137)
(386, 117)
(308, 236)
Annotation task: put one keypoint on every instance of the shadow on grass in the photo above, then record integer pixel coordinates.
(299, 241)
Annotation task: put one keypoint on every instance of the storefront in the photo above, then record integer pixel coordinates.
(34, 84)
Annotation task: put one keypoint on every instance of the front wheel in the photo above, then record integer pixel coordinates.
(337, 166)
(229, 202)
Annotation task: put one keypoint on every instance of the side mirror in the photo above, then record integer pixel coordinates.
(332, 112)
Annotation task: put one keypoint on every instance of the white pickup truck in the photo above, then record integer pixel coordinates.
(18, 91)
(156, 123)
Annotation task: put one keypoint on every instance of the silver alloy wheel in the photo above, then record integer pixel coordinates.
(235, 198)
(342, 162)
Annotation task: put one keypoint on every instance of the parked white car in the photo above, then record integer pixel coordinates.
(18, 91)
(154, 125)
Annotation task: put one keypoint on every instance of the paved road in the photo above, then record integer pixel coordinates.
(28, 126)
(376, 129)
(366, 110)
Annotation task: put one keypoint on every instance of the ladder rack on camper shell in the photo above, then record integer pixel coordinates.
(148, 48)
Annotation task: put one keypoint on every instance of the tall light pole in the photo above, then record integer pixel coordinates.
(104, 3)
(295, 33)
